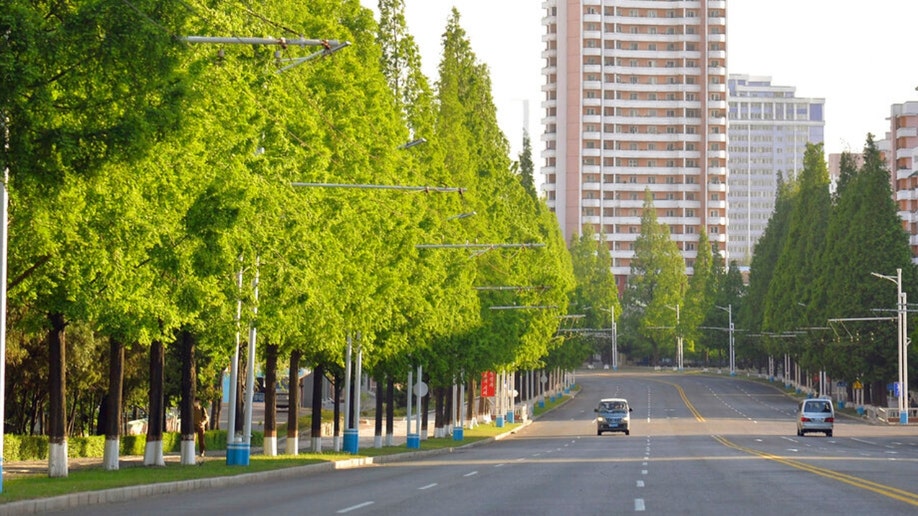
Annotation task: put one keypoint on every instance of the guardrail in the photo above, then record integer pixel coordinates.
(891, 415)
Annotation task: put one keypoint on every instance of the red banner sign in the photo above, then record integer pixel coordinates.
(488, 383)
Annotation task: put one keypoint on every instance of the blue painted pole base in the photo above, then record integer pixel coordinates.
(841, 404)
(499, 421)
(510, 417)
(542, 403)
(351, 441)
(414, 441)
(903, 417)
(237, 454)
(457, 433)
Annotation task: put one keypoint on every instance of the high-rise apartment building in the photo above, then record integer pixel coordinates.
(902, 161)
(635, 101)
(768, 132)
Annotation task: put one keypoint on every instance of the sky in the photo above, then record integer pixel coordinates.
(861, 57)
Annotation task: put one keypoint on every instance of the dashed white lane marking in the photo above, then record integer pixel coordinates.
(355, 507)
(643, 472)
(638, 504)
(428, 486)
(470, 474)
(640, 483)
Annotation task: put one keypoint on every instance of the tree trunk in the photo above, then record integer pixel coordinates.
(377, 430)
(270, 444)
(315, 430)
(189, 382)
(337, 415)
(113, 404)
(57, 401)
(153, 453)
(293, 405)
(390, 410)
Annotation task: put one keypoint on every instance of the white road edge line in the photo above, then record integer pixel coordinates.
(355, 507)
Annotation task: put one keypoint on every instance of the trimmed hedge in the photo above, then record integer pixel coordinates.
(35, 447)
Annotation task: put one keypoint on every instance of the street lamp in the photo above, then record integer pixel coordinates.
(729, 310)
(678, 337)
(901, 312)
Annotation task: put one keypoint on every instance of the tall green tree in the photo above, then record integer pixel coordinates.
(656, 286)
(699, 297)
(595, 295)
(865, 236)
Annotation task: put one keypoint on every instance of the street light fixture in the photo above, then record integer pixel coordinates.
(729, 310)
(901, 312)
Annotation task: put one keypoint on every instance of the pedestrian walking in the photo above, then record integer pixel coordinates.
(200, 425)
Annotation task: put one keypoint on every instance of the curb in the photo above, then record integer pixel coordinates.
(122, 494)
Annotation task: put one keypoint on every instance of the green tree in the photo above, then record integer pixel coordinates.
(865, 236)
(656, 286)
(596, 293)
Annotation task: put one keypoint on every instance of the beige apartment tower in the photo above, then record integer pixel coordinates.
(636, 100)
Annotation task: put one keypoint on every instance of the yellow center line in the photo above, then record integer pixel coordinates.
(862, 483)
(688, 404)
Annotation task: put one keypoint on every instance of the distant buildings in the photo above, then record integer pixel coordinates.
(768, 131)
(635, 100)
(902, 161)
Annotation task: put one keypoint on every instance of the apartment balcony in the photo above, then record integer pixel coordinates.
(718, 88)
(718, 137)
(591, 102)
(717, 187)
(592, 219)
(712, 4)
(905, 173)
(592, 34)
(717, 54)
(594, 18)
(905, 132)
(591, 153)
(591, 135)
(720, 38)
(722, 154)
(717, 205)
(592, 119)
(718, 22)
(913, 241)
(592, 68)
(590, 169)
(592, 85)
(906, 195)
(592, 51)
(590, 203)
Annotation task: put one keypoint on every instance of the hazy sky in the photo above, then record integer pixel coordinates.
(859, 56)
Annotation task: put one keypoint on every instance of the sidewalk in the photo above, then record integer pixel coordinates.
(367, 439)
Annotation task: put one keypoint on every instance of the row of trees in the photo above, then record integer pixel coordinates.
(148, 175)
(812, 268)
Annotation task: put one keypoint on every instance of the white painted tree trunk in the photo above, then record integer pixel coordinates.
(377, 441)
(188, 456)
(110, 455)
(292, 446)
(336, 443)
(389, 438)
(57, 460)
(153, 454)
(316, 444)
(270, 446)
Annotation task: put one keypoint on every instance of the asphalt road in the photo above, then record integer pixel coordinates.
(698, 445)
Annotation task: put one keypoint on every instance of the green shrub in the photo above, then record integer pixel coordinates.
(11, 445)
(92, 446)
(33, 447)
